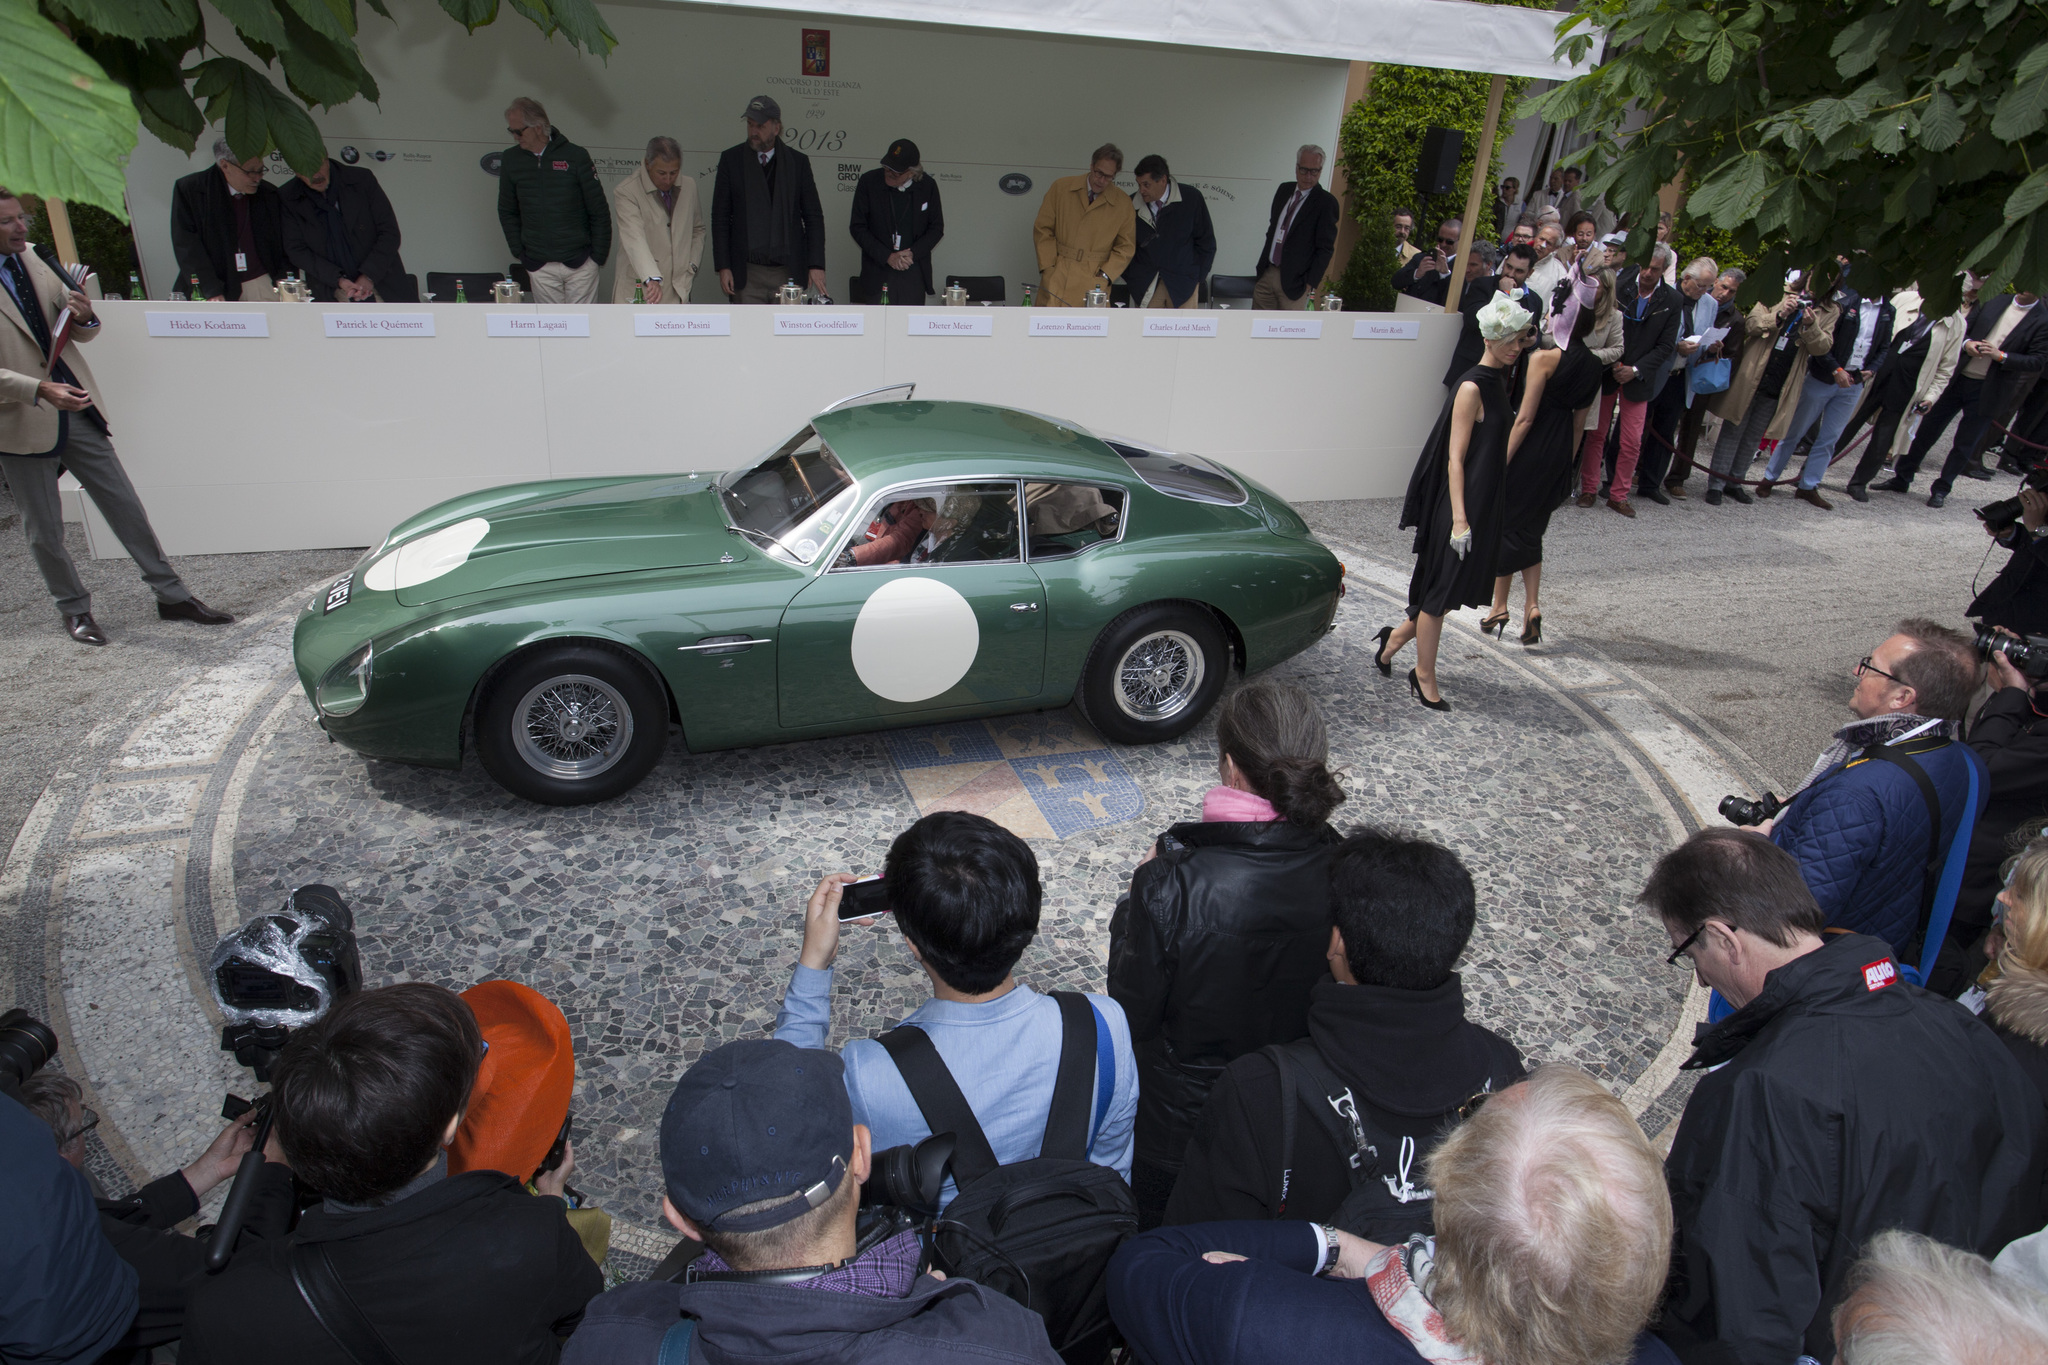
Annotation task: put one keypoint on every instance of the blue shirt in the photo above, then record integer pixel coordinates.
(1004, 1054)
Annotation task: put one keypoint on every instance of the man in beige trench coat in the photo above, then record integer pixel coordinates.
(659, 227)
(1086, 233)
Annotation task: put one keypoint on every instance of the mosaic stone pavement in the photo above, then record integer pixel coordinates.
(665, 922)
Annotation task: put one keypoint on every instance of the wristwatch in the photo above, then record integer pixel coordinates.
(1331, 1249)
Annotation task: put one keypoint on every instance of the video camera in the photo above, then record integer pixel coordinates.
(1740, 810)
(1999, 516)
(2027, 653)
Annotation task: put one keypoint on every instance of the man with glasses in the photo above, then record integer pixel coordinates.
(1835, 1102)
(551, 207)
(1428, 276)
(1086, 232)
(1301, 234)
(227, 228)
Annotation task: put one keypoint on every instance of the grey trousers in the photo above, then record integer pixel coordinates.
(1735, 448)
(91, 457)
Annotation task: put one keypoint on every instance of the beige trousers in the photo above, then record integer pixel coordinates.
(1162, 299)
(557, 283)
(1268, 294)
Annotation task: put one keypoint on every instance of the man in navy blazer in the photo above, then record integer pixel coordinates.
(2006, 342)
(1301, 236)
(1176, 242)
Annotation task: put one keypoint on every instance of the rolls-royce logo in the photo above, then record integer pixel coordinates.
(491, 162)
(1016, 182)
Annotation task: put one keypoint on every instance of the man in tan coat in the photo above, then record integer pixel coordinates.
(51, 418)
(659, 227)
(1086, 233)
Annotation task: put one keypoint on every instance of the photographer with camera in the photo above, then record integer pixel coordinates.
(2017, 600)
(763, 1163)
(2010, 733)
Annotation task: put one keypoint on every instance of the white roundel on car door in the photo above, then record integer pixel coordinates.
(914, 638)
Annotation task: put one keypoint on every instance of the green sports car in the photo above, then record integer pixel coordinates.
(892, 563)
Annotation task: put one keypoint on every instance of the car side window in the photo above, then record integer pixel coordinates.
(1067, 518)
(944, 523)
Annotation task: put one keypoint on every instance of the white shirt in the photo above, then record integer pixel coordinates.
(1980, 366)
(1866, 332)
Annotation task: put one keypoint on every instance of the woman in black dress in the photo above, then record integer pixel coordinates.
(1455, 502)
(1557, 397)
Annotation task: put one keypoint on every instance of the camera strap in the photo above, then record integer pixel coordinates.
(335, 1309)
(1942, 877)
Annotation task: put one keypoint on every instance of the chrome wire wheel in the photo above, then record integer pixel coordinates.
(572, 727)
(1159, 676)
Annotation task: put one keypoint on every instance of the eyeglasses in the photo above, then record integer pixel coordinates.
(1475, 1104)
(1866, 666)
(1450, 243)
(1690, 939)
(87, 1121)
(1308, 170)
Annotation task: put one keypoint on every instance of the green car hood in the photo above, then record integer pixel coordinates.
(542, 532)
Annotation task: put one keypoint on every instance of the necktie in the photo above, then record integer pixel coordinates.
(31, 307)
(1287, 218)
(764, 156)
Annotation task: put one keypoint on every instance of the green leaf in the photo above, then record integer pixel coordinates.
(2031, 195)
(582, 25)
(257, 115)
(65, 128)
(327, 18)
(1941, 125)
(254, 19)
(1988, 245)
(1887, 134)
(1697, 26)
(323, 72)
(471, 14)
(1829, 116)
(1720, 57)
(1730, 197)
(2035, 63)
(378, 5)
(138, 20)
(171, 115)
(1857, 45)
(2022, 111)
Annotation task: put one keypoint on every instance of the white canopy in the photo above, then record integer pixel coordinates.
(1453, 35)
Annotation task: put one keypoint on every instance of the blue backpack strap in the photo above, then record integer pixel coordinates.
(1105, 1072)
(675, 1343)
(1951, 877)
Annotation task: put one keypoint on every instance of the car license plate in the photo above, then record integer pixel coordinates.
(337, 596)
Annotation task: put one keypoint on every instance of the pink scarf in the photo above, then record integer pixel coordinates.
(1392, 1275)
(1228, 805)
(1583, 292)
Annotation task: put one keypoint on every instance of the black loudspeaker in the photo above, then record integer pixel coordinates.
(1437, 167)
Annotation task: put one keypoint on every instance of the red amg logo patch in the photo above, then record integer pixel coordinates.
(561, 165)
(1877, 975)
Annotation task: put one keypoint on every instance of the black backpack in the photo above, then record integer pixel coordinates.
(1386, 1151)
(1039, 1231)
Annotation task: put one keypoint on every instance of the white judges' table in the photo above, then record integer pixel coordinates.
(302, 426)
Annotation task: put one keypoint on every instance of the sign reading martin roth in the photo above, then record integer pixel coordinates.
(537, 324)
(682, 324)
(379, 324)
(209, 325)
(1384, 329)
(812, 323)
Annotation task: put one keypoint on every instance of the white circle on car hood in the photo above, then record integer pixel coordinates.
(427, 558)
(914, 638)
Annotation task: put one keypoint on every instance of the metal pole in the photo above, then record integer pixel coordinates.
(1482, 172)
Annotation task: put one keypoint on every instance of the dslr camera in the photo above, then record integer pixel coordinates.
(1999, 516)
(1740, 810)
(2027, 653)
(26, 1044)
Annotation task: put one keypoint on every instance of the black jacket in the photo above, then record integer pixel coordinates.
(1180, 250)
(2011, 735)
(64, 1294)
(1212, 956)
(369, 232)
(170, 1264)
(879, 213)
(470, 1268)
(551, 207)
(1311, 238)
(203, 232)
(1434, 288)
(1646, 343)
(1410, 1054)
(2018, 598)
(1471, 346)
(1848, 326)
(729, 213)
(1846, 1102)
(2026, 354)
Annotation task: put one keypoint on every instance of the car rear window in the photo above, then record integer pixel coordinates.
(1181, 476)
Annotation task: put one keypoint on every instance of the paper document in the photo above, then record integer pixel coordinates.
(1708, 337)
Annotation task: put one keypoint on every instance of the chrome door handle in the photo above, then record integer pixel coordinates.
(1023, 606)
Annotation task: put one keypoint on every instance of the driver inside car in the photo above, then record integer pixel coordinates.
(892, 534)
(953, 515)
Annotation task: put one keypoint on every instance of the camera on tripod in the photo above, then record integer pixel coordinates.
(283, 971)
(2027, 653)
(1739, 810)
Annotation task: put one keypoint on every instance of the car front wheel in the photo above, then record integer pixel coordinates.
(571, 725)
(1154, 673)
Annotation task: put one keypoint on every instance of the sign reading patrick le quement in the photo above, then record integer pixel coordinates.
(378, 324)
(209, 325)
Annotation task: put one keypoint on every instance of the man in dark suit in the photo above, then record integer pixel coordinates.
(340, 233)
(2006, 342)
(1301, 234)
(1428, 276)
(896, 223)
(1697, 311)
(1649, 311)
(767, 226)
(1513, 276)
(1176, 241)
(227, 229)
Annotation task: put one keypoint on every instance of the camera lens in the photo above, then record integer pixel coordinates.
(26, 1043)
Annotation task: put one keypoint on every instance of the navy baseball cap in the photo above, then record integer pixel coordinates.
(761, 109)
(756, 1120)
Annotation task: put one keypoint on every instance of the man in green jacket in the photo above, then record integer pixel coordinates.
(555, 217)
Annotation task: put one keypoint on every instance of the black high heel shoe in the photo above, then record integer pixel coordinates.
(1379, 659)
(1497, 626)
(1416, 687)
(1532, 629)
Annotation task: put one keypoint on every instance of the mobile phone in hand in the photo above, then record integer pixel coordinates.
(863, 899)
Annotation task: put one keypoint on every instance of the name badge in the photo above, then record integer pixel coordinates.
(241, 261)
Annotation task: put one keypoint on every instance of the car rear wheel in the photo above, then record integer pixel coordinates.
(1154, 673)
(571, 725)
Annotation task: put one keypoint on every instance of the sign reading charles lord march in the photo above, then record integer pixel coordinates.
(1174, 325)
(378, 324)
(209, 325)
(537, 324)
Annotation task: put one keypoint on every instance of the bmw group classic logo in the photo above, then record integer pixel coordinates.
(1016, 182)
(350, 156)
(491, 162)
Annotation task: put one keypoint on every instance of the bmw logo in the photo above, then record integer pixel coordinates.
(491, 161)
(350, 156)
(1016, 182)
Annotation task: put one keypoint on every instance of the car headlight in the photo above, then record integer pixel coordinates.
(347, 685)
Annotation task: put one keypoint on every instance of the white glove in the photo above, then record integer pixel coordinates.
(1460, 545)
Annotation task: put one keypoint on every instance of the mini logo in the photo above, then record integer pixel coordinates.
(561, 165)
(1016, 182)
(350, 156)
(1877, 975)
(381, 155)
(492, 162)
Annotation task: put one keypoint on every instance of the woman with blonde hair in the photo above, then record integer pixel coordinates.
(2016, 1000)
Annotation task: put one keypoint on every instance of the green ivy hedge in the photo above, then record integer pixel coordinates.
(104, 242)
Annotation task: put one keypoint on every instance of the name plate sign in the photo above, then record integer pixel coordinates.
(378, 324)
(537, 324)
(209, 324)
(1287, 329)
(1069, 327)
(682, 324)
(1174, 325)
(982, 324)
(816, 323)
(1386, 329)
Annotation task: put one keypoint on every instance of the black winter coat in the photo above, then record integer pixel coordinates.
(1846, 1102)
(470, 1268)
(1179, 251)
(551, 206)
(1212, 955)
(2011, 736)
(1646, 343)
(368, 226)
(1410, 1054)
(2018, 598)
(729, 213)
(169, 1263)
(203, 232)
(879, 213)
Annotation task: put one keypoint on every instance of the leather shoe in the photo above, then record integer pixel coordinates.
(1586, 499)
(1676, 490)
(1895, 485)
(1937, 499)
(84, 629)
(1858, 492)
(1976, 471)
(1657, 495)
(1621, 505)
(1763, 490)
(1813, 496)
(1713, 497)
(2007, 466)
(1737, 493)
(193, 610)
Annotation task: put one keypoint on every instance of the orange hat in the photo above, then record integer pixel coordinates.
(522, 1090)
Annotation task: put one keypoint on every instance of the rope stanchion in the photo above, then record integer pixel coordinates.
(1841, 453)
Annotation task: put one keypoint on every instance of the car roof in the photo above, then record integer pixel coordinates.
(882, 440)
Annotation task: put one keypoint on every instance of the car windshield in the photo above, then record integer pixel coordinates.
(1179, 476)
(791, 502)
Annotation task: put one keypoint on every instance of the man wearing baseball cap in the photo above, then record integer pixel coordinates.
(767, 227)
(896, 223)
(763, 1163)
